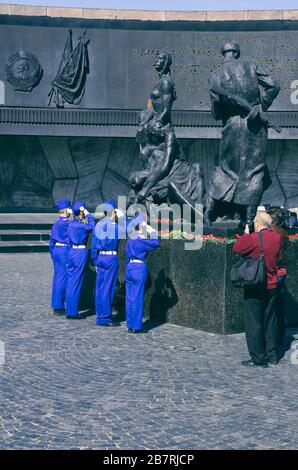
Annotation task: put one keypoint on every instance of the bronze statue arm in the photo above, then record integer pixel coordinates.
(270, 85)
(216, 102)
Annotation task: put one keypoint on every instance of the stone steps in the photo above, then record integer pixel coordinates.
(24, 235)
(24, 246)
(17, 235)
(25, 227)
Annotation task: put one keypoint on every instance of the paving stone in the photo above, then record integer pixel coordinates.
(74, 386)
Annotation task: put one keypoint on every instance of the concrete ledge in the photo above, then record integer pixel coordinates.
(65, 12)
(96, 14)
(265, 15)
(186, 15)
(27, 10)
(5, 9)
(290, 14)
(226, 15)
(143, 15)
(148, 15)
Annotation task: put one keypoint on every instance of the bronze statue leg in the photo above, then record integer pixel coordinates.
(162, 162)
(252, 208)
(251, 213)
(210, 206)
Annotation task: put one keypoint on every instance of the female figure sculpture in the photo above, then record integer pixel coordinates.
(167, 177)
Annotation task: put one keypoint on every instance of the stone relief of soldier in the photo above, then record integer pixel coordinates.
(240, 93)
(167, 176)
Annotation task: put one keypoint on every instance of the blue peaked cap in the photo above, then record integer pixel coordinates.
(62, 204)
(76, 206)
(109, 205)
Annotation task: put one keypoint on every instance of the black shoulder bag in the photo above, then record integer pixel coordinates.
(250, 272)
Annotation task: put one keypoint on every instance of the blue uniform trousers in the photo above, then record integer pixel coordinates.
(106, 281)
(135, 277)
(75, 273)
(60, 258)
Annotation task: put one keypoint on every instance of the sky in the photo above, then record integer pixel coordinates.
(167, 4)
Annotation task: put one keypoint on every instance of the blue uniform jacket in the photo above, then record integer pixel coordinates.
(78, 231)
(137, 248)
(59, 232)
(106, 236)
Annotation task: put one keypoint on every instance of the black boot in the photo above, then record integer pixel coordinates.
(58, 311)
(251, 363)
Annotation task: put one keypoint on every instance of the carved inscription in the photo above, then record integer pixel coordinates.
(197, 54)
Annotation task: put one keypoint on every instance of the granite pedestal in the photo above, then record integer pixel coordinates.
(192, 288)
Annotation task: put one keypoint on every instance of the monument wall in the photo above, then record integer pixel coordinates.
(120, 63)
(36, 171)
(87, 149)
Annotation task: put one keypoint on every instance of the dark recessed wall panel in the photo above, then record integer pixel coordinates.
(35, 171)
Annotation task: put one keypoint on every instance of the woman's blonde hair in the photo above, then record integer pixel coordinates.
(262, 219)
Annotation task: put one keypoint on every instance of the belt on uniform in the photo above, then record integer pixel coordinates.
(136, 261)
(78, 246)
(108, 252)
(60, 244)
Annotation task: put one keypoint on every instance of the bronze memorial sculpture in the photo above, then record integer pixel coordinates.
(240, 93)
(167, 176)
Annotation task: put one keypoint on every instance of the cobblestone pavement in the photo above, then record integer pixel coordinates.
(74, 385)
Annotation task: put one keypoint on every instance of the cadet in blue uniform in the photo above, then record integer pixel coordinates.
(105, 241)
(59, 248)
(78, 233)
(137, 249)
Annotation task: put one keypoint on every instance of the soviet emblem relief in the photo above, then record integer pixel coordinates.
(23, 71)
